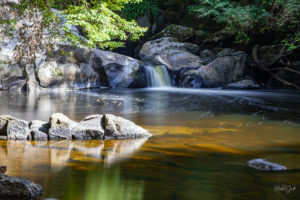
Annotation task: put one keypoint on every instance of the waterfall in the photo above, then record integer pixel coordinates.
(157, 76)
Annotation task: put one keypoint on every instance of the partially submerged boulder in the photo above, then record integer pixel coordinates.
(263, 165)
(13, 128)
(243, 84)
(60, 127)
(118, 127)
(19, 188)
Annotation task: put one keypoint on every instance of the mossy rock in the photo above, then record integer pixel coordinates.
(182, 33)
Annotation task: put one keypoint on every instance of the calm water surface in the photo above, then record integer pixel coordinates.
(201, 142)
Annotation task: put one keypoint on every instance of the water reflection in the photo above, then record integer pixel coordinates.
(59, 154)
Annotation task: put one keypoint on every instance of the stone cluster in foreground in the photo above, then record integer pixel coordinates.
(60, 127)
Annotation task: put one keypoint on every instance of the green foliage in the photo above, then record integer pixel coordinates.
(101, 26)
(254, 19)
(98, 20)
(292, 42)
(134, 10)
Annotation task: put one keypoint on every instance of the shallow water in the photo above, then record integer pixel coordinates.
(201, 142)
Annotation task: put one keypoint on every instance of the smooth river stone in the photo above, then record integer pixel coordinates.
(263, 165)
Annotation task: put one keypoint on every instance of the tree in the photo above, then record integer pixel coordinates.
(99, 22)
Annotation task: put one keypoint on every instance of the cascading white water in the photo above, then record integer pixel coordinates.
(157, 76)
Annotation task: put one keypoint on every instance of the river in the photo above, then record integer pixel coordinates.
(202, 140)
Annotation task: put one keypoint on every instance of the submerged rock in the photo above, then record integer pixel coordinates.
(19, 188)
(60, 127)
(243, 84)
(263, 165)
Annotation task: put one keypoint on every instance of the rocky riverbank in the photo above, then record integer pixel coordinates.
(60, 127)
(194, 59)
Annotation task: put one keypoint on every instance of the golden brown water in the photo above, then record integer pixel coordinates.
(198, 151)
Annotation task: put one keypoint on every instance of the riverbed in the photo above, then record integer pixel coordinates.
(202, 140)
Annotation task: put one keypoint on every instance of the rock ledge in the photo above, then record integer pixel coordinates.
(60, 127)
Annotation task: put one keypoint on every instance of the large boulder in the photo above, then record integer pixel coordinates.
(118, 71)
(226, 68)
(182, 33)
(171, 53)
(19, 188)
(119, 128)
(67, 67)
(14, 129)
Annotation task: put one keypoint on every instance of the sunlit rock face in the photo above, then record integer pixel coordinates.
(60, 127)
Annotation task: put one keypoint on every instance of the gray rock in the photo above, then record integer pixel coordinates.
(171, 53)
(88, 129)
(207, 56)
(118, 71)
(18, 188)
(226, 68)
(243, 84)
(118, 128)
(182, 33)
(39, 130)
(263, 165)
(67, 67)
(60, 127)
(13, 128)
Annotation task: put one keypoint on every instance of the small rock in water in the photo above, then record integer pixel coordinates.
(263, 165)
(2, 169)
